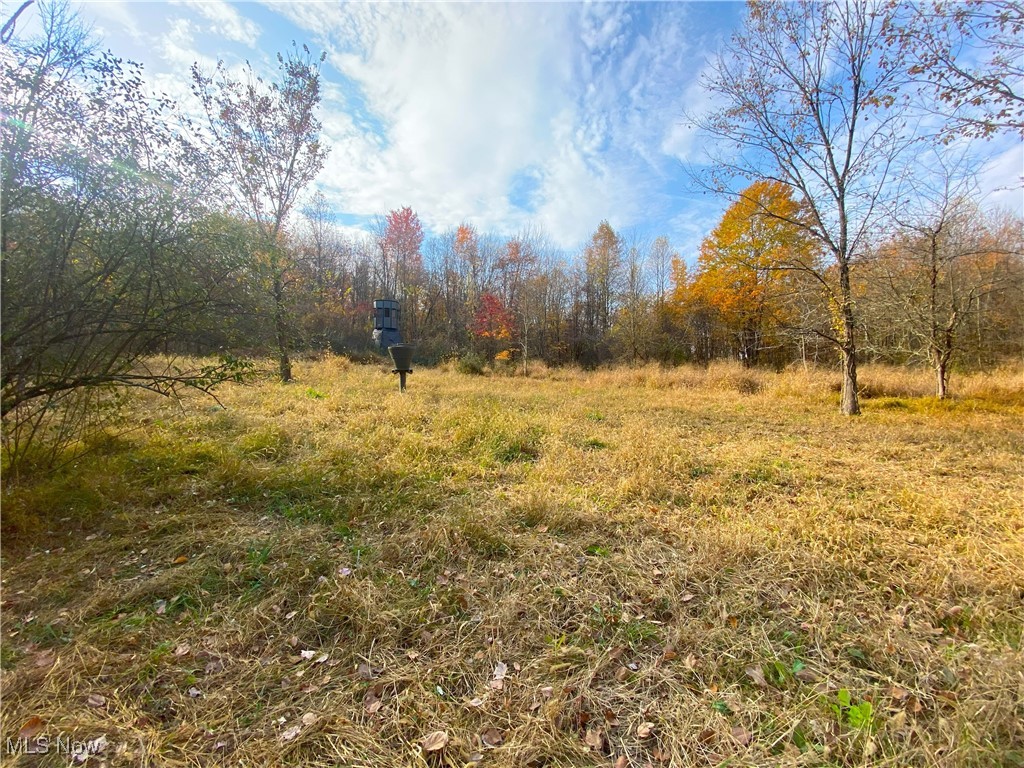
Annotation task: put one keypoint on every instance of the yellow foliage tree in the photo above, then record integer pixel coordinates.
(745, 273)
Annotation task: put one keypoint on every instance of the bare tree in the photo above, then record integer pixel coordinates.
(805, 101)
(266, 145)
(938, 268)
(967, 57)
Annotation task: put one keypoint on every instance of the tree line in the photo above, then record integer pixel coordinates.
(136, 238)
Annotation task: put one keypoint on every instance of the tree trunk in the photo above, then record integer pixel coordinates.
(849, 404)
(940, 363)
(280, 332)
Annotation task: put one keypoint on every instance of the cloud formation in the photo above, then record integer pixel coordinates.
(501, 114)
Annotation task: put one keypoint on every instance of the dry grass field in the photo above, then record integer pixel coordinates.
(621, 568)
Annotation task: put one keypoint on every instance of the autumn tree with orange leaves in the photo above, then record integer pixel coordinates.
(746, 274)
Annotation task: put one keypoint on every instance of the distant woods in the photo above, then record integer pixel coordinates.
(136, 239)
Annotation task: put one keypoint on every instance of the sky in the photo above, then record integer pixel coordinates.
(502, 115)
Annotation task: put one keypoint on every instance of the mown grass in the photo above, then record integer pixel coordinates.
(682, 567)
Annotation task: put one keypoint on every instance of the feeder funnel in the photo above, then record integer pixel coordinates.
(401, 354)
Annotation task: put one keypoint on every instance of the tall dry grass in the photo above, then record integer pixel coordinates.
(638, 566)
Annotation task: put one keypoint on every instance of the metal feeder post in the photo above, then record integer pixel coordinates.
(401, 355)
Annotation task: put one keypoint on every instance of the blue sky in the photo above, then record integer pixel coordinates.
(503, 115)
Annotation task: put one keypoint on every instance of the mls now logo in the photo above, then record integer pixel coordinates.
(61, 745)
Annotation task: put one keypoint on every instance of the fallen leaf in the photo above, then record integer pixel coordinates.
(899, 694)
(291, 733)
(476, 702)
(32, 727)
(757, 675)
(621, 762)
(669, 654)
(344, 572)
(500, 670)
(307, 654)
(621, 674)
(161, 607)
(497, 684)
(183, 649)
(96, 700)
(806, 676)
(371, 701)
(645, 729)
(194, 692)
(541, 529)
(363, 671)
(309, 718)
(45, 659)
(594, 739)
(214, 666)
(742, 735)
(611, 719)
(291, 615)
(412, 655)
(690, 662)
(435, 741)
(180, 560)
(321, 658)
(660, 755)
(687, 597)
(491, 737)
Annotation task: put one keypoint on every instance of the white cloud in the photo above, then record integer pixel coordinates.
(225, 20)
(1002, 178)
(470, 98)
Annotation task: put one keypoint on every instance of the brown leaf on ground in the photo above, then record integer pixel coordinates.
(181, 560)
(291, 733)
(742, 735)
(621, 762)
(96, 700)
(594, 738)
(491, 737)
(645, 729)
(32, 727)
(372, 701)
(434, 741)
(756, 674)
(45, 659)
(806, 676)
